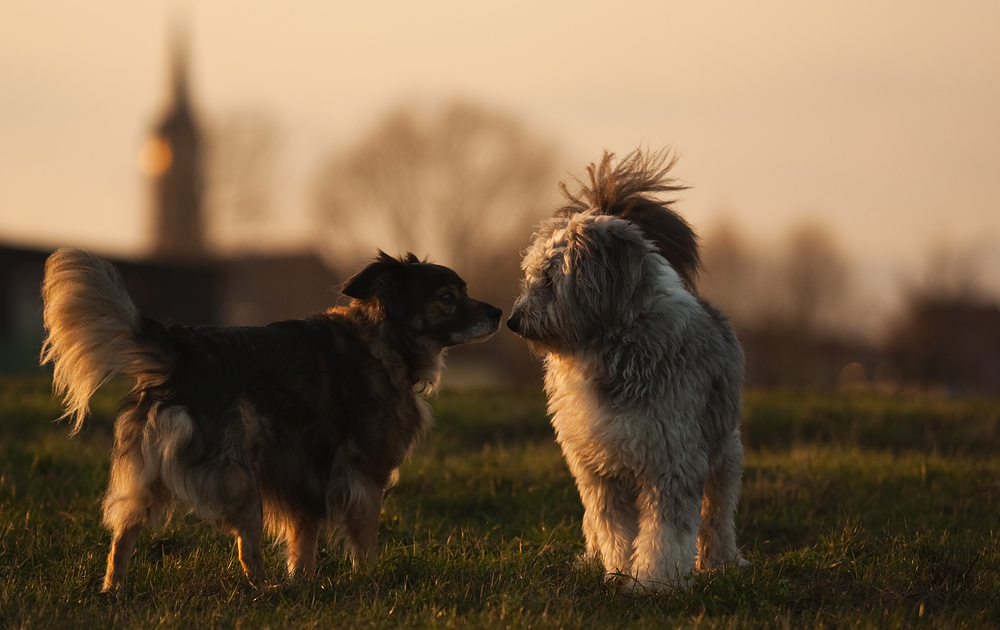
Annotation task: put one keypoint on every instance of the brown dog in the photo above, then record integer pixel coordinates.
(287, 426)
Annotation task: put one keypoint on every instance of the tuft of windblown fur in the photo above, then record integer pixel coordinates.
(628, 189)
(644, 380)
(290, 426)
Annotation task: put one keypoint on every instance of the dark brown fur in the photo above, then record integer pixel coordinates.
(288, 426)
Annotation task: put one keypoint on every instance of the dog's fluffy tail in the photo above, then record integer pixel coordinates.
(95, 332)
(629, 190)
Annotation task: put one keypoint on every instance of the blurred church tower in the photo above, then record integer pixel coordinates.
(173, 158)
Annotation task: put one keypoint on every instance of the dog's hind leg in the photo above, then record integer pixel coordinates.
(221, 490)
(135, 495)
(125, 516)
(302, 540)
(241, 512)
(717, 538)
(122, 544)
(244, 515)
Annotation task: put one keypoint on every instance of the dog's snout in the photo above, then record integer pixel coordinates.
(496, 314)
(491, 314)
(514, 322)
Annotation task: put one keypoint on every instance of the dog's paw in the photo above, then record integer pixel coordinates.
(640, 587)
(651, 582)
(706, 566)
(625, 584)
(585, 562)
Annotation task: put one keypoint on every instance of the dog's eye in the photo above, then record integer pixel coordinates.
(447, 298)
(547, 281)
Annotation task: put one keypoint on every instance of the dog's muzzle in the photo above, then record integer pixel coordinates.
(514, 323)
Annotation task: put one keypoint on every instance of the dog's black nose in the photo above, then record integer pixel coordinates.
(514, 322)
(496, 314)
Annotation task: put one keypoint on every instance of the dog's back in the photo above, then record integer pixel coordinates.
(263, 414)
(288, 425)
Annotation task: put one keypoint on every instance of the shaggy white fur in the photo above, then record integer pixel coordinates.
(644, 382)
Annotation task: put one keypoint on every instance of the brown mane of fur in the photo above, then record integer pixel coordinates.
(628, 190)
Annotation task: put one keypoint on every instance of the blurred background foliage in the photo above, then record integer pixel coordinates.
(463, 185)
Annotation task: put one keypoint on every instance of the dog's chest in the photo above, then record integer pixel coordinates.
(590, 433)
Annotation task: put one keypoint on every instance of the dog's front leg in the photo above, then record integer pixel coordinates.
(669, 516)
(610, 520)
(302, 548)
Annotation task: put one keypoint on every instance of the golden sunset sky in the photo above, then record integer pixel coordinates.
(880, 120)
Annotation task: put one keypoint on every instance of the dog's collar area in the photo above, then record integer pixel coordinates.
(420, 387)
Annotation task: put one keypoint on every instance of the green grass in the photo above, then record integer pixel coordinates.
(860, 512)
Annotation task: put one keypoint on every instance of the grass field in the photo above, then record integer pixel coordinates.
(860, 511)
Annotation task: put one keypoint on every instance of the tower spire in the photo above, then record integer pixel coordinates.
(173, 159)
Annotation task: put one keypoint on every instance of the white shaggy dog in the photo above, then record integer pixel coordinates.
(643, 376)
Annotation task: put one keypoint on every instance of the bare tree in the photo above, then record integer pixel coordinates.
(804, 285)
(242, 152)
(732, 274)
(952, 273)
(463, 185)
(815, 274)
(948, 332)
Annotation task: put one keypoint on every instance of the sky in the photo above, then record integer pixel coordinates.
(880, 120)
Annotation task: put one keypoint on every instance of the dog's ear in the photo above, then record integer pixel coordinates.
(607, 263)
(368, 282)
